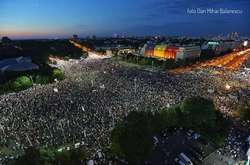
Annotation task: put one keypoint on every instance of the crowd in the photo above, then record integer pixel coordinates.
(235, 144)
(83, 108)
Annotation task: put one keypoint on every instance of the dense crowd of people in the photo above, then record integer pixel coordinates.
(235, 144)
(83, 108)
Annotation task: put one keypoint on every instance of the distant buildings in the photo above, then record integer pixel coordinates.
(233, 36)
(75, 37)
(219, 47)
(164, 51)
(245, 43)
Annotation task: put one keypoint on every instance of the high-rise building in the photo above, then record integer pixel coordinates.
(75, 37)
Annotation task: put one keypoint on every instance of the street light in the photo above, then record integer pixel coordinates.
(227, 87)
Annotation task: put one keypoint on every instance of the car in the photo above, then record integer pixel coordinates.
(179, 161)
(190, 132)
(185, 159)
(196, 136)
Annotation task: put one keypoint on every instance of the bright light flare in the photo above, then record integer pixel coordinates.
(227, 87)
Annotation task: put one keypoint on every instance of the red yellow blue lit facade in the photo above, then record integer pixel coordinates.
(160, 51)
(170, 52)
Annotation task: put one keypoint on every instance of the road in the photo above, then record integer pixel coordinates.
(231, 61)
(86, 49)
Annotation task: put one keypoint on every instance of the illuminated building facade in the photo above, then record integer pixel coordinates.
(188, 52)
(170, 52)
(148, 50)
(221, 46)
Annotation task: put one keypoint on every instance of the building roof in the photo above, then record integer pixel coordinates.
(17, 64)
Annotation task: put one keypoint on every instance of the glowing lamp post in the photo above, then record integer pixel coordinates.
(227, 87)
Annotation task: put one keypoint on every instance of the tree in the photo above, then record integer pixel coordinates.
(244, 111)
(57, 74)
(22, 83)
(73, 157)
(35, 156)
(31, 157)
(41, 79)
(6, 40)
(198, 112)
(169, 64)
(169, 117)
(132, 138)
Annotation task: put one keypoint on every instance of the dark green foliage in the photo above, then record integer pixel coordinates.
(31, 156)
(5, 87)
(6, 40)
(148, 61)
(218, 132)
(22, 83)
(75, 157)
(43, 76)
(244, 111)
(132, 139)
(200, 115)
(193, 113)
(65, 49)
(57, 74)
(42, 79)
(169, 64)
(169, 117)
(38, 51)
(198, 112)
(34, 156)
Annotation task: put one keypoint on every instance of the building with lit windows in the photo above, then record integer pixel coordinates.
(165, 51)
(220, 47)
(188, 52)
(147, 50)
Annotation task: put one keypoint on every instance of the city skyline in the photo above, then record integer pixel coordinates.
(61, 18)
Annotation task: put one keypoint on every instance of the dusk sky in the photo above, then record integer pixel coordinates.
(62, 18)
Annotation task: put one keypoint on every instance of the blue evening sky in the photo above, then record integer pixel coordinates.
(62, 18)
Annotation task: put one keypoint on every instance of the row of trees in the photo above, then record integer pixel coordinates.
(27, 80)
(132, 138)
(165, 64)
(35, 156)
(244, 111)
(38, 50)
(154, 62)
